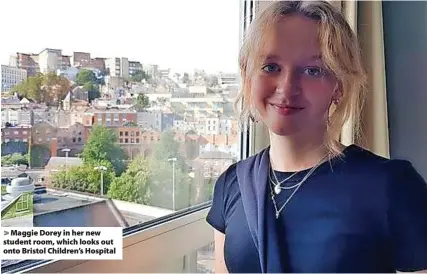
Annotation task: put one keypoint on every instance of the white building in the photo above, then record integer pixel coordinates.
(118, 67)
(212, 125)
(50, 60)
(228, 79)
(11, 76)
(20, 116)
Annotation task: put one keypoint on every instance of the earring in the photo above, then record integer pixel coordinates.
(336, 101)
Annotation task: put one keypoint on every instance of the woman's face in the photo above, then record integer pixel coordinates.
(290, 87)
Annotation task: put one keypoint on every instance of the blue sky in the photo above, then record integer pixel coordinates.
(182, 34)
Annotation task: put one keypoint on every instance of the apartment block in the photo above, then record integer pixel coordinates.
(50, 60)
(81, 59)
(28, 62)
(10, 77)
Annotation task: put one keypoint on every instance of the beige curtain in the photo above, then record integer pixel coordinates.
(365, 17)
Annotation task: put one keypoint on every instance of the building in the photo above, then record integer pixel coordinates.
(124, 67)
(151, 70)
(50, 60)
(228, 79)
(81, 59)
(98, 63)
(43, 133)
(134, 67)
(129, 133)
(28, 62)
(71, 137)
(118, 67)
(65, 62)
(11, 76)
(26, 116)
(17, 116)
(109, 116)
(16, 134)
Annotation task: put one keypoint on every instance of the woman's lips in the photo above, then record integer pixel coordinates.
(286, 109)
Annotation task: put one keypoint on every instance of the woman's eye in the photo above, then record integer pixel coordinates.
(271, 68)
(314, 71)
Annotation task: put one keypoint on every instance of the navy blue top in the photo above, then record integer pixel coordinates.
(358, 213)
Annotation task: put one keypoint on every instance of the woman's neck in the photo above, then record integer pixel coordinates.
(295, 153)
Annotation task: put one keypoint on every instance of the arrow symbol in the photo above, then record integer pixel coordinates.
(6, 233)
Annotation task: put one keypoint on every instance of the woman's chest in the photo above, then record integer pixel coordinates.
(316, 235)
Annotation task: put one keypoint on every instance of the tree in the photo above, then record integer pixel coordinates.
(90, 83)
(186, 78)
(161, 185)
(142, 101)
(85, 178)
(132, 186)
(163, 173)
(92, 89)
(54, 88)
(139, 75)
(85, 76)
(48, 88)
(168, 148)
(101, 145)
(211, 81)
(14, 159)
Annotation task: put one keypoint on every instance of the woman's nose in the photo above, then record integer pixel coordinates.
(287, 83)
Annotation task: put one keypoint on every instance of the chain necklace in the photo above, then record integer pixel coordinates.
(279, 210)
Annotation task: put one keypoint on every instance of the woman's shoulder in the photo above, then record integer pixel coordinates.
(369, 164)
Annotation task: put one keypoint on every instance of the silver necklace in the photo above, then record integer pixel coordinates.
(278, 211)
(278, 185)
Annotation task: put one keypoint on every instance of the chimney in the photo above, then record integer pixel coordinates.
(53, 147)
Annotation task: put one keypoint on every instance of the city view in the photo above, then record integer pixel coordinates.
(114, 140)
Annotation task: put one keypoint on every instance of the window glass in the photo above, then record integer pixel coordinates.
(140, 95)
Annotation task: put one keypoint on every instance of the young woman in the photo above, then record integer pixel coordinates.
(306, 203)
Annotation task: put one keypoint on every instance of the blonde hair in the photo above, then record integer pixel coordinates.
(340, 52)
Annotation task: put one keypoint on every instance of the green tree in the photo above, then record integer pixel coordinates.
(85, 178)
(14, 159)
(54, 88)
(165, 170)
(161, 183)
(48, 88)
(132, 186)
(85, 76)
(101, 145)
(92, 89)
(139, 75)
(186, 78)
(168, 148)
(142, 101)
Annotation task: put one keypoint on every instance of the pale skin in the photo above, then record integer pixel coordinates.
(292, 92)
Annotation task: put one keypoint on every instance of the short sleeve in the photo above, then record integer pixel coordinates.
(216, 213)
(408, 217)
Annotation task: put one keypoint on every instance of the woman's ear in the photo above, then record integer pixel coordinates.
(337, 93)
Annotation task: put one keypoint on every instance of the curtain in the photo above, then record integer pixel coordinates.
(365, 17)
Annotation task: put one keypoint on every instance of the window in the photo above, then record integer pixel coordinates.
(187, 59)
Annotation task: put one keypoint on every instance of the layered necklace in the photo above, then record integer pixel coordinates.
(276, 187)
